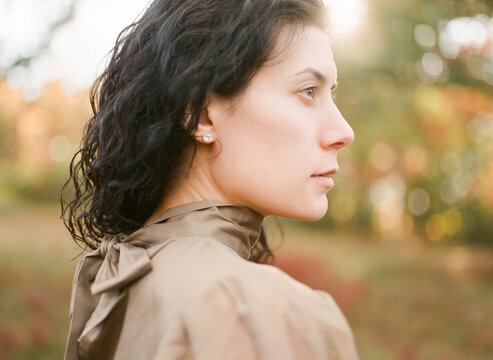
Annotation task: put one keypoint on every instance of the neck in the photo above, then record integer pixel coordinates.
(192, 185)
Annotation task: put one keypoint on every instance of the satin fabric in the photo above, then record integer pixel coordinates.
(165, 276)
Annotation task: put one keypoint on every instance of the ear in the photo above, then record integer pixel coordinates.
(210, 117)
(204, 133)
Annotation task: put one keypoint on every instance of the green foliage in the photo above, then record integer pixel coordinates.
(415, 131)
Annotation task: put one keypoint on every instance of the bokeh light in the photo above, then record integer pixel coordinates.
(346, 16)
(425, 35)
(466, 33)
(418, 201)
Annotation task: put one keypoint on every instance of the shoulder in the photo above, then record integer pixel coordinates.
(277, 319)
(267, 291)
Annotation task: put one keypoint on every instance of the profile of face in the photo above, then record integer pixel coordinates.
(276, 143)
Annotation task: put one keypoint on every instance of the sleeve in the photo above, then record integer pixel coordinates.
(262, 324)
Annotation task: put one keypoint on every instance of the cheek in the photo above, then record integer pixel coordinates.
(267, 145)
(266, 160)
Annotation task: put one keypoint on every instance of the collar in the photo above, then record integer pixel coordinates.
(236, 226)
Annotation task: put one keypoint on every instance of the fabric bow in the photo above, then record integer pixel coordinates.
(122, 263)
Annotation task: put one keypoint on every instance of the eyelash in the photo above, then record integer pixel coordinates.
(315, 90)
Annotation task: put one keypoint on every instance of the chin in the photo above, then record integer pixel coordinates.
(309, 211)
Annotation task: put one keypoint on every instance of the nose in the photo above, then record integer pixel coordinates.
(337, 132)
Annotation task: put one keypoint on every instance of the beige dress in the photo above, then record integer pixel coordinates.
(182, 288)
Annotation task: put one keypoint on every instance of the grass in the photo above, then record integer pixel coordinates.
(403, 300)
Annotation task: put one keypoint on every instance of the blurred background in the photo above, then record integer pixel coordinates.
(406, 246)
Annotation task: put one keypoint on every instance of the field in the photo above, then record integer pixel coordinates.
(404, 301)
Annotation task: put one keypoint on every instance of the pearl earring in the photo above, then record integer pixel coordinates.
(208, 138)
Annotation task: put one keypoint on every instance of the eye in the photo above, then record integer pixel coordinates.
(311, 92)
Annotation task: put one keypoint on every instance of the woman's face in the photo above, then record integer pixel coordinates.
(276, 140)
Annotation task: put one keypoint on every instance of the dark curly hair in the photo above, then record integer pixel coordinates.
(164, 65)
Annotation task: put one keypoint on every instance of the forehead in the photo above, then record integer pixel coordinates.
(301, 48)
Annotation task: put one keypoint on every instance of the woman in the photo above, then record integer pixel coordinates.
(210, 116)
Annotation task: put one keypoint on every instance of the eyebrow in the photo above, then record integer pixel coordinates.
(318, 75)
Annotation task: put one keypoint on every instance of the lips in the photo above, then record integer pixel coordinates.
(324, 178)
(327, 173)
